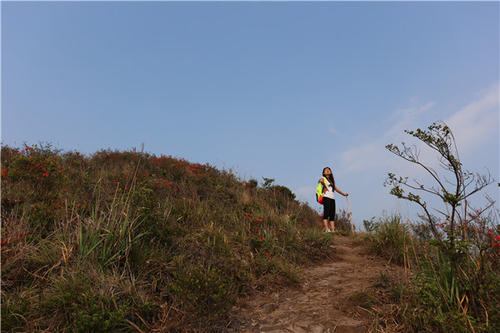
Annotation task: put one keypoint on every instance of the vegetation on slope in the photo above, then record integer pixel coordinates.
(128, 241)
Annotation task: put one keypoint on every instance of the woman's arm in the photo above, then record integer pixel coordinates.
(325, 188)
(344, 194)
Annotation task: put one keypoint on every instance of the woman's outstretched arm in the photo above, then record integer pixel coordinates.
(344, 194)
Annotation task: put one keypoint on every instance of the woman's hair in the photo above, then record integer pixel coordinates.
(330, 178)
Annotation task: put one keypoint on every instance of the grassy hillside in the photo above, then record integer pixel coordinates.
(128, 241)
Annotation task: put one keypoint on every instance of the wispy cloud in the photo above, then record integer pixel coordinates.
(373, 154)
(476, 122)
(472, 126)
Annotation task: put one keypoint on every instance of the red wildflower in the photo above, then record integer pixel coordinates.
(4, 241)
(498, 237)
(46, 174)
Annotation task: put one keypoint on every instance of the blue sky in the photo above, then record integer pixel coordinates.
(275, 90)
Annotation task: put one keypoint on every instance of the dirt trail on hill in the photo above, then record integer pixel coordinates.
(338, 296)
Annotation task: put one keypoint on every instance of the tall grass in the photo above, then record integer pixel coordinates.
(128, 241)
(439, 295)
(391, 239)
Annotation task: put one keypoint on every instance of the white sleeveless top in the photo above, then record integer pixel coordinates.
(330, 193)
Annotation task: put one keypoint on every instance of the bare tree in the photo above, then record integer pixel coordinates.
(453, 191)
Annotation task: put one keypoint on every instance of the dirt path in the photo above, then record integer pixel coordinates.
(338, 296)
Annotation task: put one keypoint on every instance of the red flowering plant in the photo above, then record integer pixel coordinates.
(483, 231)
(31, 179)
(260, 242)
(11, 244)
(32, 165)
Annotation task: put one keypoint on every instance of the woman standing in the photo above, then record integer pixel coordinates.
(329, 189)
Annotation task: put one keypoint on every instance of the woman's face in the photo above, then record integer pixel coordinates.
(328, 171)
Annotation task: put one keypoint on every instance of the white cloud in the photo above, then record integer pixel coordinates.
(476, 122)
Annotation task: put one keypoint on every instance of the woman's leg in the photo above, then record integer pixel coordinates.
(326, 212)
(332, 213)
(325, 223)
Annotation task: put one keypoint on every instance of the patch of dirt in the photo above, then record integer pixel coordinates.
(339, 296)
